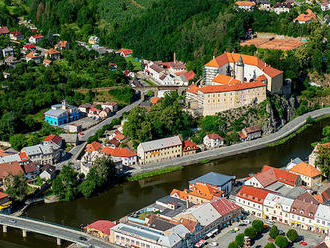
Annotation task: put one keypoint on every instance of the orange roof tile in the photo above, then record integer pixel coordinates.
(250, 193)
(231, 87)
(306, 170)
(53, 51)
(193, 89)
(189, 224)
(102, 226)
(224, 79)
(32, 55)
(305, 17)
(269, 175)
(154, 100)
(95, 146)
(181, 194)
(245, 3)
(205, 191)
(3, 195)
(189, 146)
(118, 152)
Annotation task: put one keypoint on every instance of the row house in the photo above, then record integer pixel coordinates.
(310, 176)
(43, 154)
(277, 208)
(250, 133)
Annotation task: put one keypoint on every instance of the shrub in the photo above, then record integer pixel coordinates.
(240, 239)
(250, 232)
(273, 233)
(270, 245)
(233, 245)
(281, 241)
(292, 235)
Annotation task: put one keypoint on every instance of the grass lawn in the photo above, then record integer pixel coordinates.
(154, 173)
(39, 117)
(137, 64)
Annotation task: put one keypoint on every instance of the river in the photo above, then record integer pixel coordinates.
(129, 196)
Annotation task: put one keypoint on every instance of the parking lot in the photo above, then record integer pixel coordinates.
(86, 122)
(226, 236)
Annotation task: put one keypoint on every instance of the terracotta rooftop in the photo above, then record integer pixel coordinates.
(245, 3)
(118, 152)
(250, 193)
(179, 194)
(306, 17)
(95, 146)
(189, 146)
(102, 226)
(53, 138)
(224, 206)
(12, 168)
(306, 170)
(214, 136)
(154, 100)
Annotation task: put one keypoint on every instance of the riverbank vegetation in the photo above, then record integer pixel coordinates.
(154, 173)
(323, 153)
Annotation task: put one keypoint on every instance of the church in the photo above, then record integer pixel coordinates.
(233, 80)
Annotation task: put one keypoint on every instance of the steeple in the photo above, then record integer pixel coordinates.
(240, 61)
(239, 72)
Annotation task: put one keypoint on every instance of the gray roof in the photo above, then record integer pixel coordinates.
(180, 206)
(69, 138)
(213, 178)
(38, 149)
(55, 112)
(295, 192)
(205, 213)
(161, 143)
(160, 223)
(10, 158)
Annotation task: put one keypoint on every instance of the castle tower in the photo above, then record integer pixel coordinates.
(239, 72)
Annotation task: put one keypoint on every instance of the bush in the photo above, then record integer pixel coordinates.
(310, 120)
(240, 239)
(233, 245)
(258, 225)
(281, 241)
(250, 232)
(270, 245)
(292, 235)
(273, 233)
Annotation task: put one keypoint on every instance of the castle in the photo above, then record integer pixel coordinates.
(233, 80)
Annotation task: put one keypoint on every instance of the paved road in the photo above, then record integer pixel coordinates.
(244, 147)
(54, 230)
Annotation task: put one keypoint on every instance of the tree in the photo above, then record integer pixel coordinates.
(292, 235)
(323, 160)
(16, 186)
(233, 245)
(250, 232)
(240, 239)
(270, 245)
(258, 225)
(65, 184)
(273, 232)
(17, 141)
(281, 241)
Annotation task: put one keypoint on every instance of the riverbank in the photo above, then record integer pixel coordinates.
(154, 173)
(244, 147)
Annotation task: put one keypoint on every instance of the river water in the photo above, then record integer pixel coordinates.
(130, 196)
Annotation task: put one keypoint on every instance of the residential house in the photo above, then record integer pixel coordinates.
(322, 219)
(100, 229)
(265, 5)
(113, 143)
(216, 180)
(84, 108)
(122, 156)
(53, 140)
(16, 36)
(94, 113)
(33, 56)
(5, 201)
(31, 171)
(282, 8)
(113, 106)
(270, 175)
(4, 30)
(34, 39)
(12, 168)
(93, 40)
(43, 154)
(302, 212)
(29, 48)
(251, 199)
(250, 133)
(60, 114)
(227, 209)
(53, 54)
(277, 208)
(306, 17)
(125, 52)
(325, 5)
(47, 62)
(48, 172)
(245, 5)
(158, 150)
(314, 155)
(7, 52)
(62, 45)
(213, 140)
(21, 158)
(118, 135)
(310, 176)
(93, 147)
(189, 147)
(71, 139)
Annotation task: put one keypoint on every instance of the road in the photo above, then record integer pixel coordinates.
(243, 147)
(54, 230)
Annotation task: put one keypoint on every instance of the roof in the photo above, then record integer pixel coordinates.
(272, 199)
(323, 244)
(47, 61)
(38, 149)
(23, 156)
(50, 169)
(55, 112)
(193, 89)
(305, 205)
(119, 136)
(30, 46)
(30, 167)
(36, 36)
(94, 146)
(53, 138)
(224, 79)
(4, 30)
(3, 195)
(214, 136)
(323, 212)
(232, 86)
(126, 51)
(118, 152)
(245, 3)
(114, 142)
(305, 17)
(160, 223)
(326, 194)
(12, 168)
(252, 129)
(306, 170)
(53, 51)
(205, 213)
(33, 55)
(102, 226)
(224, 206)
(190, 75)
(189, 146)
(250, 193)
(161, 143)
(157, 68)
(189, 224)
(226, 58)
(205, 191)
(154, 100)
(179, 194)
(213, 178)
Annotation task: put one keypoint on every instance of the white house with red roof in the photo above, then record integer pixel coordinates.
(125, 52)
(53, 140)
(100, 228)
(213, 140)
(245, 5)
(34, 39)
(29, 48)
(16, 36)
(189, 147)
(122, 156)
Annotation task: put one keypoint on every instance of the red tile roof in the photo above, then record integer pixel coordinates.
(205, 191)
(214, 136)
(30, 46)
(250, 193)
(326, 194)
(305, 17)
(252, 129)
(36, 36)
(154, 100)
(12, 168)
(181, 194)
(189, 146)
(102, 226)
(119, 136)
(53, 138)
(189, 224)
(3, 195)
(15, 33)
(24, 157)
(245, 3)
(114, 142)
(306, 170)
(126, 51)
(231, 87)
(193, 89)
(190, 75)
(224, 206)
(4, 30)
(118, 152)
(95, 146)
(53, 51)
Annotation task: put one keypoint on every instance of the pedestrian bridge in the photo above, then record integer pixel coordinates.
(59, 232)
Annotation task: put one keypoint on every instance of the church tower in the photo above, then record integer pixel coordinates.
(239, 73)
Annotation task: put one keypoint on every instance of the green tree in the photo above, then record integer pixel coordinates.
(281, 241)
(17, 141)
(258, 225)
(273, 232)
(323, 160)
(65, 184)
(16, 186)
(250, 232)
(292, 235)
(270, 245)
(233, 245)
(240, 239)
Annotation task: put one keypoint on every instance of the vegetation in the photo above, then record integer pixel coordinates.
(323, 153)
(281, 241)
(250, 232)
(154, 173)
(270, 245)
(240, 239)
(99, 133)
(233, 245)
(273, 232)
(258, 225)
(16, 186)
(292, 235)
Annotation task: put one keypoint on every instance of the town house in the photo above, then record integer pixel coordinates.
(213, 140)
(277, 208)
(250, 133)
(34, 39)
(121, 156)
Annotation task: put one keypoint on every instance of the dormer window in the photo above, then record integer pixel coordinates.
(310, 214)
(301, 211)
(293, 210)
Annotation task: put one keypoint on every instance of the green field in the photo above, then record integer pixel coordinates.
(136, 64)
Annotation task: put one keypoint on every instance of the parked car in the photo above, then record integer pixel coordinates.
(213, 244)
(246, 222)
(302, 243)
(12, 221)
(269, 222)
(83, 238)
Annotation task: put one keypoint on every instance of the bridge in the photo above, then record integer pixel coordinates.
(59, 232)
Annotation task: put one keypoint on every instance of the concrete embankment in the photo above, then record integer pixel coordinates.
(240, 148)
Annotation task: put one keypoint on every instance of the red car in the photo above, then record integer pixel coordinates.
(81, 133)
(302, 243)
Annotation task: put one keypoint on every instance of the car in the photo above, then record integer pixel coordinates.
(269, 222)
(302, 243)
(213, 244)
(11, 221)
(232, 231)
(281, 232)
(81, 134)
(83, 238)
(246, 222)
(236, 229)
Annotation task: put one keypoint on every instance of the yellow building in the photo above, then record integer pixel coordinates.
(310, 175)
(158, 150)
